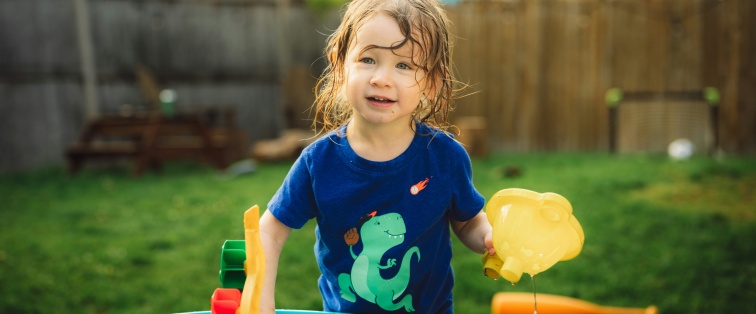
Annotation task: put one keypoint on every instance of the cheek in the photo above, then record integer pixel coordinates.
(348, 80)
(413, 85)
(351, 86)
(351, 73)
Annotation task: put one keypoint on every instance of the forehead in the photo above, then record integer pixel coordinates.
(381, 31)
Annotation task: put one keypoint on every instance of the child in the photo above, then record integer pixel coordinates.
(385, 183)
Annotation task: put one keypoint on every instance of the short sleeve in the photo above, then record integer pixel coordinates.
(294, 202)
(466, 200)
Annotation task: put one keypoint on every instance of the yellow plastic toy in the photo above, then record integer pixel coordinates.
(254, 266)
(531, 233)
(242, 267)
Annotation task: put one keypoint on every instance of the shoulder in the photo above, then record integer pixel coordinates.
(443, 149)
(435, 138)
(324, 150)
(327, 141)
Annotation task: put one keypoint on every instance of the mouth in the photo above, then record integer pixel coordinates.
(380, 101)
(401, 235)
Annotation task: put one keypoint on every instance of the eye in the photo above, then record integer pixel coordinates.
(403, 66)
(367, 60)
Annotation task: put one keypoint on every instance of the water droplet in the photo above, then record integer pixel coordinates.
(527, 252)
(535, 304)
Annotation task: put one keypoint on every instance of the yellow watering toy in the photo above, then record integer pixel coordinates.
(531, 233)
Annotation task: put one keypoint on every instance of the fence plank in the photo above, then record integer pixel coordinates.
(540, 80)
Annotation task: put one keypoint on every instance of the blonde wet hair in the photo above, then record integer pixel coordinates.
(425, 26)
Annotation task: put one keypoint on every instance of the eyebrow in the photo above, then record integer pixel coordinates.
(393, 49)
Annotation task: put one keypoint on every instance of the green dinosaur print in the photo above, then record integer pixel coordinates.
(378, 235)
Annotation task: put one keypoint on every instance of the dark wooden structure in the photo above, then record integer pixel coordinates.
(150, 139)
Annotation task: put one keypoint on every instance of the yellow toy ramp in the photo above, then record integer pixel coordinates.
(254, 266)
(522, 303)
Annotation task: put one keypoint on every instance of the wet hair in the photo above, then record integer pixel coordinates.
(425, 26)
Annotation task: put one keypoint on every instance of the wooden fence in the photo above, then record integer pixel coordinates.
(222, 52)
(540, 68)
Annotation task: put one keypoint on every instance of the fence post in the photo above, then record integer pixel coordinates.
(711, 94)
(81, 12)
(613, 97)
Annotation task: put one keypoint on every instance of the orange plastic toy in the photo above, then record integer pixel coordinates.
(531, 233)
(225, 301)
(522, 303)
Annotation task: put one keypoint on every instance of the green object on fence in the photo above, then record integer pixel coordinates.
(711, 94)
(233, 256)
(613, 97)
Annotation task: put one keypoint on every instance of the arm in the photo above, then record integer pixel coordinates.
(475, 233)
(273, 235)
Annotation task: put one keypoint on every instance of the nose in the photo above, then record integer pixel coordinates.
(381, 77)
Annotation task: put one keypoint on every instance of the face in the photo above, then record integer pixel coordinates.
(383, 86)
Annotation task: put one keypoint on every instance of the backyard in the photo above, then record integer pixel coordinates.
(675, 234)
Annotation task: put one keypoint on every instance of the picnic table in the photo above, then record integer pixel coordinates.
(151, 138)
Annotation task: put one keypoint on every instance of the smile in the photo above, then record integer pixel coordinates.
(394, 235)
(381, 103)
(382, 100)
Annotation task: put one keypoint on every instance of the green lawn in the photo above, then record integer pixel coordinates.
(679, 235)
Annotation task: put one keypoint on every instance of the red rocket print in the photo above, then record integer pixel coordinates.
(419, 186)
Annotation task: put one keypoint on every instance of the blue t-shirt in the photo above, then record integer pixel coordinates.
(383, 238)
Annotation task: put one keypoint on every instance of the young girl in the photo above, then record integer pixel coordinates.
(385, 182)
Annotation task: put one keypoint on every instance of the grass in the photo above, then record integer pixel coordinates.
(679, 235)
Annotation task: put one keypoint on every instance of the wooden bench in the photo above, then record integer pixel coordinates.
(150, 139)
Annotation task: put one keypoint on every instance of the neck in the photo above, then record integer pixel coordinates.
(380, 142)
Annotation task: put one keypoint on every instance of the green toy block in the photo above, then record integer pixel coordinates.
(233, 256)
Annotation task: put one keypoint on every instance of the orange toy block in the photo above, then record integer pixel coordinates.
(522, 303)
(225, 301)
